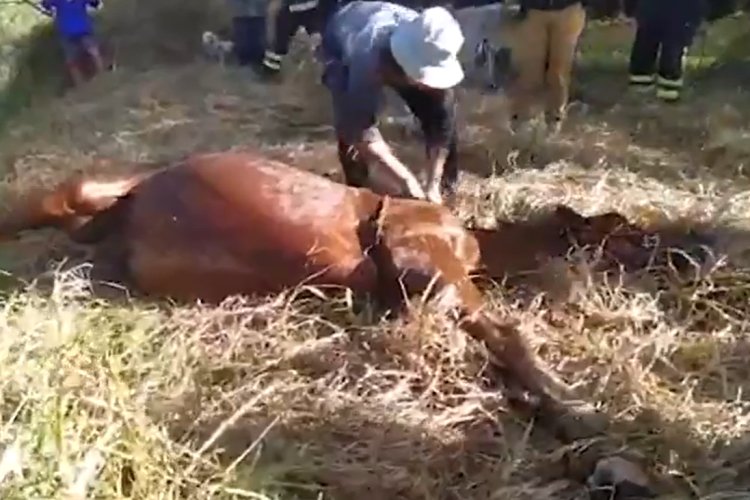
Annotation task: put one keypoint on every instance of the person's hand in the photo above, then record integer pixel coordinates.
(434, 195)
(414, 189)
(436, 158)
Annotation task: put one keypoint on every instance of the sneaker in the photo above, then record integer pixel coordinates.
(266, 74)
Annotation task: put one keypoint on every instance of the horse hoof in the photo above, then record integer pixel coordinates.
(567, 421)
(618, 478)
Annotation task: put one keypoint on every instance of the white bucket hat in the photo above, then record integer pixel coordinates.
(427, 48)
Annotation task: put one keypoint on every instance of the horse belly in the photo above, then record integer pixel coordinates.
(215, 276)
(210, 248)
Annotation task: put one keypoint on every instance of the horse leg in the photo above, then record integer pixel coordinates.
(70, 206)
(414, 265)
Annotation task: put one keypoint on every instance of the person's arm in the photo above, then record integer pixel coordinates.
(358, 106)
(377, 150)
(436, 157)
(440, 131)
(435, 111)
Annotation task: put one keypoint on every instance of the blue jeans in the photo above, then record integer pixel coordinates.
(249, 37)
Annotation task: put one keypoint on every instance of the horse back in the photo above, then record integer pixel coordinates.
(232, 223)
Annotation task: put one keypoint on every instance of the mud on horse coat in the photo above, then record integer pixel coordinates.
(221, 224)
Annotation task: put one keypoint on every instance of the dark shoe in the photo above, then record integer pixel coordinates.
(668, 95)
(266, 74)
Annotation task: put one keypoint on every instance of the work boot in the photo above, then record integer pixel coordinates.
(641, 84)
(668, 96)
(266, 74)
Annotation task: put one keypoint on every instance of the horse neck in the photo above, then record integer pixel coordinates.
(368, 203)
(515, 247)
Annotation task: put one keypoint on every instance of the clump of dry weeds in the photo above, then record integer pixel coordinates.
(298, 397)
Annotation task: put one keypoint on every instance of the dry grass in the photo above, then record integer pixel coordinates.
(296, 397)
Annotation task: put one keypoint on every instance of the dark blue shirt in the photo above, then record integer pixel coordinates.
(353, 44)
(71, 16)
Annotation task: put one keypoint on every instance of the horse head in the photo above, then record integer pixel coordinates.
(523, 246)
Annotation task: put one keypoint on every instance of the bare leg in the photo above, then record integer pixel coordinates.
(75, 73)
(408, 272)
(453, 289)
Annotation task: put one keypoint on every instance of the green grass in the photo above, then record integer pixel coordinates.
(29, 60)
(606, 47)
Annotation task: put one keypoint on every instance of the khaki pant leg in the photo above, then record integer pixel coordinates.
(566, 28)
(530, 55)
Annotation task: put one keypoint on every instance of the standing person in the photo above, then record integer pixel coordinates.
(545, 51)
(76, 31)
(284, 18)
(262, 31)
(665, 31)
(370, 45)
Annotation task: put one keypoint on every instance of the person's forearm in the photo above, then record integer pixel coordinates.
(436, 157)
(382, 153)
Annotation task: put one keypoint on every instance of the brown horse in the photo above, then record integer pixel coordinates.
(222, 224)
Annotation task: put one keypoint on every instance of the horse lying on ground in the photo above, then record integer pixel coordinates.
(222, 224)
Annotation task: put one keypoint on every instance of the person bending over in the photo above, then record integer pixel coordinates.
(368, 45)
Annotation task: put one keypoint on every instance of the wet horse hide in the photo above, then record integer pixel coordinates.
(215, 225)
